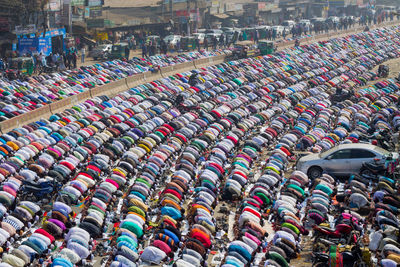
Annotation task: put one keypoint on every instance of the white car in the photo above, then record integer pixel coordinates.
(279, 30)
(172, 39)
(334, 19)
(200, 36)
(101, 51)
(342, 160)
(305, 22)
(216, 31)
(288, 24)
(209, 37)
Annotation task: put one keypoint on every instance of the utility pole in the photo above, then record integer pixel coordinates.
(170, 8)
(188, 17)
(162, 10)
(196, 8)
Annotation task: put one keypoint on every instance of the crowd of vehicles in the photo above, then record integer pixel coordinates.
(244, 49)
(101, 51)
(231, 35)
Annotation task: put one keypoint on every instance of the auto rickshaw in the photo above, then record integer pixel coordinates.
(244, 49)
(118, 51)
(188, 43)
(266, 47)
(23, 64)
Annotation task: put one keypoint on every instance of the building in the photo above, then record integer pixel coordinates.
(157, 17)
(51, 41)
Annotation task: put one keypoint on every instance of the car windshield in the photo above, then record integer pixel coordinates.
(382, 151)
(170, 37)
(327, 153)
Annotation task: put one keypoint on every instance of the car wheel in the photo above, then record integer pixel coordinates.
(314, 172)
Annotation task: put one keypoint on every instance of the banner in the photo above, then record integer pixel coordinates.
(27, 45)
(77, 12)
(77, 2)
(95, 23)
(44, 46)
(96, 11)
(54, 5)
(94, 3)
(101, 36)
(87, 12)
(31, 28)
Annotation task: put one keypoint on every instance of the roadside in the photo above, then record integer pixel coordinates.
(280, 42)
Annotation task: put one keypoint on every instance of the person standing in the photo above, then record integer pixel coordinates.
(256, 36)
(164, 47)
(214, 42)
(269, 34)
(54, 58)
(127, 51)
(67, 61)
(149, 45)
(221, 40)
(34, 61)
(74, 58)
(49, 60)
(206, 44)
(60, 63)
(198, 44)
(83, 54)
(43, 60)
(144, 50)
(153, 48)
(2, 65)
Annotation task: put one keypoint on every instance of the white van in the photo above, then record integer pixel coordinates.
(288, 24)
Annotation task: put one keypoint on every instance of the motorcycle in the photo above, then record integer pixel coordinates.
(12, 74)
(376, 169)
(383, 71)
(341, 233)
(47, 69)
(373, 170)
(382, 140)
(351, 258)
(346, 231)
